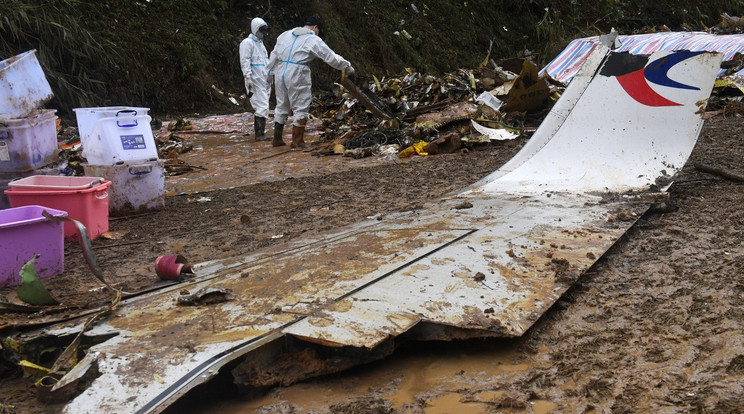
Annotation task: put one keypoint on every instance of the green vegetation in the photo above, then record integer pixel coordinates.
(167, 54)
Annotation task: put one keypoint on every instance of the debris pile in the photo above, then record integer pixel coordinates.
(171, 145)
(425, 114)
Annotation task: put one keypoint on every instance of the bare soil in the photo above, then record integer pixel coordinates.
(654, 326)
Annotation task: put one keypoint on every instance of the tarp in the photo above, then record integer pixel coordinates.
(569, 61)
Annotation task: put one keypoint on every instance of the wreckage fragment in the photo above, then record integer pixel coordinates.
(205, 296)
(496, 134)
(427, 123)
(528, 91)
(432, 109)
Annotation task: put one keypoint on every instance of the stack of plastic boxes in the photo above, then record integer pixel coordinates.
(28, 133)
(28, 140)
(118, 145)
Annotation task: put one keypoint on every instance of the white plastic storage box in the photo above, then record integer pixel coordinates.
(87, 117)
(24, 232)
(23, 86)
(125, 137)
(135, 188)
(28, 143)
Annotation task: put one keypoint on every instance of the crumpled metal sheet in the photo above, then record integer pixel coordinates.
(515, 257)
(495, 134)
(493, 268)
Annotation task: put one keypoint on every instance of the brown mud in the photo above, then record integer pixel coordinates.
(654, 326)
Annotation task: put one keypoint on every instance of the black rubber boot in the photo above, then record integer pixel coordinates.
(259, 125)
(278, 132)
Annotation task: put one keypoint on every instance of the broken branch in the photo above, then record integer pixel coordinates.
(720, 172)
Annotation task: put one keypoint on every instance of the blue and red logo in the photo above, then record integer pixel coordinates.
(634, 75)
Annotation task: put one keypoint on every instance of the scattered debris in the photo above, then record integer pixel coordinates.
(496, 134)
(115, 235)
(414, 109)
(180, 124)
(205, 296)
(528, 92)
(171, 266)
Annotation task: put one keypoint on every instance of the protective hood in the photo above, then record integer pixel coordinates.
(256, 24)
(299, 31)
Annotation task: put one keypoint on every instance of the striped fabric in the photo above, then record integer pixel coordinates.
(569, 61)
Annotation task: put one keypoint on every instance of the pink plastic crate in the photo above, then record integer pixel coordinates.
(89, 206)
(25, 232)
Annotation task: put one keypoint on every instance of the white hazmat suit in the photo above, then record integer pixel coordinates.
(253, 60)
(288, 65)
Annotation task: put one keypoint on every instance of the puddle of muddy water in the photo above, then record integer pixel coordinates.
(441, 378)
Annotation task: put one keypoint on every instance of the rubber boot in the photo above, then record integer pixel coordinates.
(278, 131)
(259, 125)
(298, 133)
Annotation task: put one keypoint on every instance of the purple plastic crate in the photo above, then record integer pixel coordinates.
(25, 232)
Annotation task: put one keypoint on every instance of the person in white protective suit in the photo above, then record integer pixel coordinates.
(292, 83)
(253, 60)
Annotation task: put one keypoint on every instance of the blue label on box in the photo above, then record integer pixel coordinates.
(133, 142)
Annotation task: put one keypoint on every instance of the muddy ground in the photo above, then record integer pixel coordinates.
(654, 326)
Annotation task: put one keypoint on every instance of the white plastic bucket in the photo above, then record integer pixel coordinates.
(23, 86)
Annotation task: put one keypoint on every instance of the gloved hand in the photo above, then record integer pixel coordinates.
(248, 85)
(350, 70)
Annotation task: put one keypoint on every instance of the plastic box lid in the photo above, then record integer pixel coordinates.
(54, 182)
(25, 215)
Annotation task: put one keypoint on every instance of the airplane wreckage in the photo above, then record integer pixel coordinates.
(486, 261)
